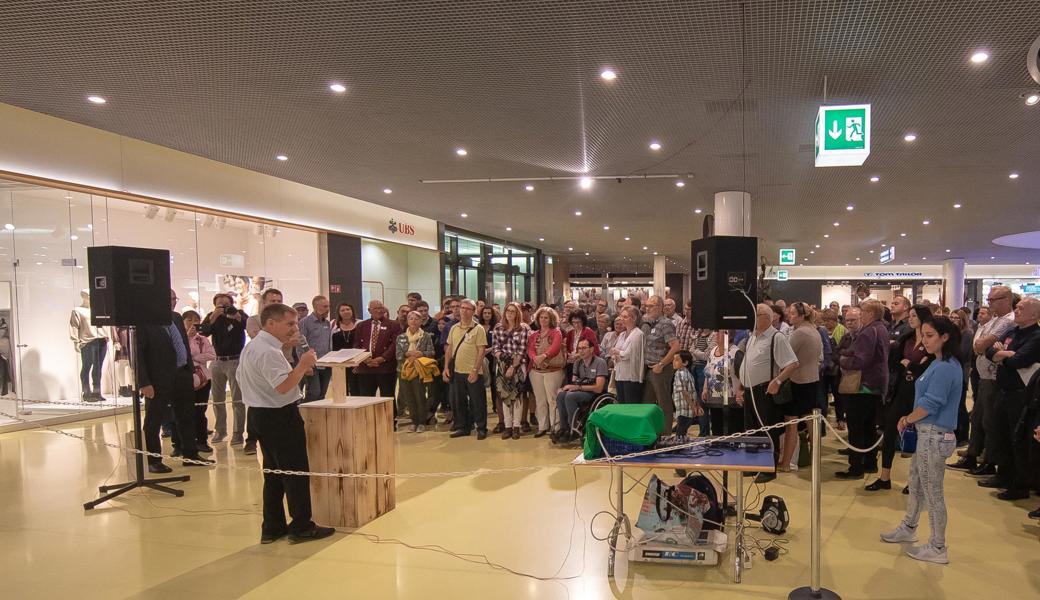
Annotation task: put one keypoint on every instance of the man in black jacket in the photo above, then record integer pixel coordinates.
(164, 369)
(1016, 357)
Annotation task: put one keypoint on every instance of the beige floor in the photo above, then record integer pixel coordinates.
(204, 545)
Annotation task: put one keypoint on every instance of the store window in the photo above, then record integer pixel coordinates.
(43, 258)
(390, 271)
(489, 270)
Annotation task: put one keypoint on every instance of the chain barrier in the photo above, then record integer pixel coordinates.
(845, 442)
(432, 475)
(108, 405)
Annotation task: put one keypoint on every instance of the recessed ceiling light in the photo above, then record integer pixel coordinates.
(1032, 99)
(627, 238)
(857, 258)
(846, 264)
(388, 191)
(850, 207)
(585, 183)
(993, 258)
(606, 228)
(586, 254)
(529, 187)
(958, 205)
(569, 249)
(541, 239)
(826, 235)
(902, 235)
(947, 250)
(577, 213)
(926, 222)
(655, 254)
(282, 157)
(680, 183)
(461, 151)
(645, 248)
(509, 228)
(96, 99)
(1013, 176)
(73, 237)
(871, 251)
(884, 245)
(608, 75)
(817, 245)
(655, 145)
(836, 223)
(812, 252)
(463, 215)
(980, 57)
(697, 211)
(875, 179)
(8, 226)
(923, 258)
(339, 88)
(910, 137)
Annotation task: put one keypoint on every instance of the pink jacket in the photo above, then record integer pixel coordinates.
(201, 353)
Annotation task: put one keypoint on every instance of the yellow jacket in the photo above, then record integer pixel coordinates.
(423, 368)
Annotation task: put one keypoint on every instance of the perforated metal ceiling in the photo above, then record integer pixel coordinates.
(517, 84)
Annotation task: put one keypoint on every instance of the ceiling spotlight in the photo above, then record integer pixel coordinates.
(586, 254)
(1013, 176)
(282, 157)
(9, 226)
(569, 249)
(850, 207)
(680, 183)
(902, 235)
(857, 258)
(585, 183)
(871, 251)
(606, 228)
(910, 137)
(993, 258)
(958, 205)
(655, 254)
(541, 239)
(812, 252)
(463, 215)
(461, 151)
(979, 57)
(875, 179)
(608, 75)
(884, 245)
(926, 222)
(655, 145)
(923, 258)
(947, 250)
(529, 187)
(74, 237)
(826, 235)
(96, 99)
(509, 228)
(339, 88)
(1032, 99)
(388, 191)
(627, 238)
(817, 245)
(836, 223)
(645, 248)
(577, 213)
(697, 211)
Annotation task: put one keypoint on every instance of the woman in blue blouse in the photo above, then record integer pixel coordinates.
(936, 399)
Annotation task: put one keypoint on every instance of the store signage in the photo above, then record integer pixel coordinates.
(401, 228)
(888, 255)
(232, 261)
(842, 135)
(782, 275)
(787, 256)
(892, 274)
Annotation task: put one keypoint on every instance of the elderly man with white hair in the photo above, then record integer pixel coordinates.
(378, 335)
(659, 346)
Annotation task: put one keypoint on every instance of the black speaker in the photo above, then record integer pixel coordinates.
(128, 286)
(723, 266)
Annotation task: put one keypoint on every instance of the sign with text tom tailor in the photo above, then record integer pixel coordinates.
(400, 228)
(842, 135)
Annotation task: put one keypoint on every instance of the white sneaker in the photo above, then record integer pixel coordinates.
(928, 553)
(420, 429)
(899, 535)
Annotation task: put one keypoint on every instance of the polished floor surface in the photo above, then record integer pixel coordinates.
(205, 545)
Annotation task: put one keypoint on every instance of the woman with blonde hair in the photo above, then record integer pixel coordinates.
(547, 360)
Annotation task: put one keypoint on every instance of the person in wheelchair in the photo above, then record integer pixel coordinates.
(588, 380)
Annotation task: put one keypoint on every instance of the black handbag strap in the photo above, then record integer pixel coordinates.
(459, 345)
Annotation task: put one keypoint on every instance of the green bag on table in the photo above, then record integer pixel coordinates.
(639, 424)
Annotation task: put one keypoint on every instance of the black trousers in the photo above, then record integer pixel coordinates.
(1010, 453)
(861, 412)
(470, 401)
(963, 418)
(180, 398)
(890, 415)
(370, 383)
(726, 420)
(769, 411)
(201, 422)
(283, 442)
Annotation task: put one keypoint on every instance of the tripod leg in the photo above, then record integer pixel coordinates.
(106, 488)
(178, 479)
(124, 488)
(163, 488)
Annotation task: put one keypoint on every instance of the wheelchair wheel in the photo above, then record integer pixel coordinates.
(583, 412)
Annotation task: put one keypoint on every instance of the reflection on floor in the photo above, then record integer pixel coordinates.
(205, 545)
(49, 412)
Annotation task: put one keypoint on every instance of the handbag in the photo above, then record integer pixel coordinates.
(783, 395)
(851, 382)
(673, 514)
(908, 440)
(552, 363)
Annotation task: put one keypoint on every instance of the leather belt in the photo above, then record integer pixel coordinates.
(235, 357)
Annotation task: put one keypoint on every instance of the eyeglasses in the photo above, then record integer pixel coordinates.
(995, 298)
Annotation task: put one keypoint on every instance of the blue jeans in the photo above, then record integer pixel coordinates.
(93, 356)
(927, 467)
(317, 384)
(567, 403)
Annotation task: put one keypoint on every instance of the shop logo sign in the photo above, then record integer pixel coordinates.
(403, 228)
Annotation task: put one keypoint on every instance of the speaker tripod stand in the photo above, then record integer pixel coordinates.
(111, 491)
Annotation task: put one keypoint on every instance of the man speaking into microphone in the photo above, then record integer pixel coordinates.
(271, 390)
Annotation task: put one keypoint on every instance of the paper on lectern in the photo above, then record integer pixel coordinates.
(341, 356)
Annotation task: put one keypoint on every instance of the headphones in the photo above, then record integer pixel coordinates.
(773, 515)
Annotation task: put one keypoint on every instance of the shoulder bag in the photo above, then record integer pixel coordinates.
(552, 363)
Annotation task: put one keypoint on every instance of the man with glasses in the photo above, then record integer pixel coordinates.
(226, 328)
(976, 458)
(659, 346)
(588, 379)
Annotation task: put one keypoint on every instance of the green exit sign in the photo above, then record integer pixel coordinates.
(782, 275)
(842, 135)
(787, 256)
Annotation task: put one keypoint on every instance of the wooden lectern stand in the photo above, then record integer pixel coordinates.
(349, 434)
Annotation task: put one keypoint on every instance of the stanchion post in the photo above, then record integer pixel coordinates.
(814, 591)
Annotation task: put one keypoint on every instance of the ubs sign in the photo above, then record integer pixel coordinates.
(402, 228)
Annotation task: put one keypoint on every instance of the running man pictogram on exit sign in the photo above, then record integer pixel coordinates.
(842, 135)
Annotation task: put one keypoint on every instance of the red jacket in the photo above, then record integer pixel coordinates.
(555, 345)
(586, 334)
(385, 345)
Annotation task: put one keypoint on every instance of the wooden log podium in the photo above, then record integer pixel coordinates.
(349, 434)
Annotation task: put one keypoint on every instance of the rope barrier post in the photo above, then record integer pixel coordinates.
(814, 591)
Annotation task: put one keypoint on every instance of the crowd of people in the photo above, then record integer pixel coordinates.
(881, 368)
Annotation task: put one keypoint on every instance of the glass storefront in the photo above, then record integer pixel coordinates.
(489, 270)
(43, 258)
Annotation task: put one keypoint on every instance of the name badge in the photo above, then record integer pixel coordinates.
(949, 437)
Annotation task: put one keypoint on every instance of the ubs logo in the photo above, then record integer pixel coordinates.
(403, 228)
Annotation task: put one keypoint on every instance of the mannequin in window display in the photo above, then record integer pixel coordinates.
(6, 370)
(91, 344)
(120, 337)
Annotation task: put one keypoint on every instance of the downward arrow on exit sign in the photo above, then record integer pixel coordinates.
(842, 135)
